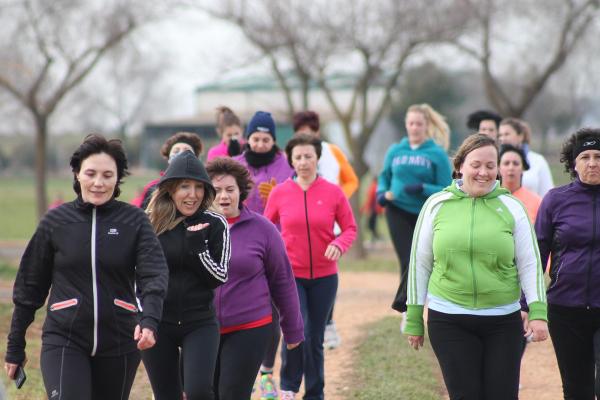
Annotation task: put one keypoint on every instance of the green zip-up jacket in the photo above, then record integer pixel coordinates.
(476, 252)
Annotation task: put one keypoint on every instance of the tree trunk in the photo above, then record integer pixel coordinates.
(41, 134)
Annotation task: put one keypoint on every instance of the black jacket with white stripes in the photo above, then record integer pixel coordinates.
(90, 259)
(198, 262)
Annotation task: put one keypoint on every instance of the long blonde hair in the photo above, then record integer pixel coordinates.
(162, 210)
(437, 127)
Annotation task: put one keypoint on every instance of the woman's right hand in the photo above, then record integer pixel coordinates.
(416, 341)
(389, 196)
(12, 368)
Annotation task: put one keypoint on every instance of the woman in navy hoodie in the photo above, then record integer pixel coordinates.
(260, 273)
(568, 228)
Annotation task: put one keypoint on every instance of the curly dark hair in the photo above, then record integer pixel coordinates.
(228, 166)
(301, 139)
(96, 144)
(566, 155)
(182, 137)
(306, 118)
(474, 119)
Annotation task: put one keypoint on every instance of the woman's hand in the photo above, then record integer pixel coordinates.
(11, 368)
(389, 196)
(416, 341)
(539, 329)
(144, 337)
(333, 252)
(197, 227)
(292, 346)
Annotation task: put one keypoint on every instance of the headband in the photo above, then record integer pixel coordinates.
(589, 143)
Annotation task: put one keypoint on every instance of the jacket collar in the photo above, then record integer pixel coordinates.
(83, 205)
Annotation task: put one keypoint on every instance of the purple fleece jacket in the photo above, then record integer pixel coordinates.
(259, 271)
(278, 169)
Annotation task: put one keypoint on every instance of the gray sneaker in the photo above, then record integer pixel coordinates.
(332, 338)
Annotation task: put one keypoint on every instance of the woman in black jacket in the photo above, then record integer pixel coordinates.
(197, 248)
(91, 253)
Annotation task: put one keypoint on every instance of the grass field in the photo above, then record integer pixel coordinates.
(17, 202)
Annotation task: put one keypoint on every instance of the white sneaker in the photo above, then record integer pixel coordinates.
(403, 322)
(286, 395)
(332, 339)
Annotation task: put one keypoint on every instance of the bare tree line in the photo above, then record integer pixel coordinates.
(50, 48)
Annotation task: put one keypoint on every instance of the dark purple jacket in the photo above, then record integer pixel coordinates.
(259, 272)
(568, 228)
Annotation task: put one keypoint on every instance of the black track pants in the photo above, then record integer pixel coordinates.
(480, 356)
(240, 354)
(72, 374)
(401, 225)
(199, 343)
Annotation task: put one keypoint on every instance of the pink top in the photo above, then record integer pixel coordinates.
(530, 200)
(307, 219)
(219, 150)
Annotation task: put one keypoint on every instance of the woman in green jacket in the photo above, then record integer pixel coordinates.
(473, 252)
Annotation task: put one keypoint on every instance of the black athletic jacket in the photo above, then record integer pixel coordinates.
(89, 258)
(198, 263)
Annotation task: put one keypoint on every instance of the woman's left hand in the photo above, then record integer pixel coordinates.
(540, 330)
(197, 227)
(333, 252)
(144, 337)
(292, 346)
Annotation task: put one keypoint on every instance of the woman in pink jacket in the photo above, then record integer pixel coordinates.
(306, 206)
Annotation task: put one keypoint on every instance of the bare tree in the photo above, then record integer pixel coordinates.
(369, 41)
(548, 32)
(50, 48)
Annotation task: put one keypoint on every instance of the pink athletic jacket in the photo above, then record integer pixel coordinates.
(306, 219)
(219, 150)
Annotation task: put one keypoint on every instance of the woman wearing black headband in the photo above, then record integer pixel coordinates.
(568, 228)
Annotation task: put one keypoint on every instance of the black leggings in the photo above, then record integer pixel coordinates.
(401, 225)
(575, 335)
(273, 342)
(72, 374)
(240, 354)
(480, 357)
(199, 343)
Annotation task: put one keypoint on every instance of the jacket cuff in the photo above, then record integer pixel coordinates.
(538, 310)
(150, 323)
(152, 308)
(292, 337)
(415, 325)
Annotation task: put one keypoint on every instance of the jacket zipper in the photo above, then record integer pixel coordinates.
(179, 271)
(308, 233)
(471, 253)
(94, 282)
(589, 278)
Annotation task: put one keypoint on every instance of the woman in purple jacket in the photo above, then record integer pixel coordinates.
(259, 273)
(568, 228)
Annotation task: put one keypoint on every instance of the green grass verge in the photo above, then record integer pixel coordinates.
(18, 205)
(7, 271)
(34, 386)
(388, 368)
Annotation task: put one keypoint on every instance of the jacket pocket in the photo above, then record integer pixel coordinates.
(125, 305)
(61, 305)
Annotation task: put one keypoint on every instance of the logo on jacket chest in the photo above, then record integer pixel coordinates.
(418, 161)
(113, 231)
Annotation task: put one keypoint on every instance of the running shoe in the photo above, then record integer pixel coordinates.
(268, 390)
(332, 338)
